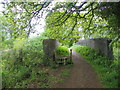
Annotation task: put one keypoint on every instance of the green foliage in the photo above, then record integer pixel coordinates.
(16, 26)
(19, 43)
(33, 50)
(97, 28)
(3, 28)
(60, 22)
(116, 53)
(107, 69)
(62, 51)
(16, 74)
(20, 18)
(7, 44)
(110, 12)
(85, 51)
(62, 32)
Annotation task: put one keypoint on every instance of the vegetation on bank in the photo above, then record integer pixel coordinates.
(62, 51)
(107, 69)
(22, 65)
(19, 63)
(68, 22)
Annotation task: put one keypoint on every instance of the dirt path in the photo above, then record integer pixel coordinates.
(82, 75)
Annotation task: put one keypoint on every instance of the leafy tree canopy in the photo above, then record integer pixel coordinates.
(66, 18)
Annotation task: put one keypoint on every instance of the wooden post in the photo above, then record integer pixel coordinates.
(54, 56)
(71, 56)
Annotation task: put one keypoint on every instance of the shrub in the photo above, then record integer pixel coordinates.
(6, 44)
(15, 74)
(33, 51)
(62, 51)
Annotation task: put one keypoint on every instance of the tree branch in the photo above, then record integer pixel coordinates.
(63, 15)
(63, 20)
(72, 28)
(91, 18)
(78, 7)
(60, 17)
(87, 6)
(44, 5)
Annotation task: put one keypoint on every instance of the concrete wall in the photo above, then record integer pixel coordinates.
(49, 45)
(102, 44)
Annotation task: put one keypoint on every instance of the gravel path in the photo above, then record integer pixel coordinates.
(82, 75)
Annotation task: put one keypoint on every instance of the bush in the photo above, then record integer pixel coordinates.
(33, 51)
(62, 51)
(14, 73)
(107, 69)
(6, 44)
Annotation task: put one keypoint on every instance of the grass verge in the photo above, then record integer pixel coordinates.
(106, 69)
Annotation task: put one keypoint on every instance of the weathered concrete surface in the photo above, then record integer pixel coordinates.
(49, 45)
(102, 44)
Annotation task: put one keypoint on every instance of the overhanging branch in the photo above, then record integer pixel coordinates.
(71, 29)
(44, 5)
(63, 21)
(91, 18)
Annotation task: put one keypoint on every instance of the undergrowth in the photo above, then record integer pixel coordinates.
(107, 69)
(62, 51)
(22, 64)
(19, 64)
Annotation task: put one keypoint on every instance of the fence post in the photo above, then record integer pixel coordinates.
(54, 56)
(71, 56)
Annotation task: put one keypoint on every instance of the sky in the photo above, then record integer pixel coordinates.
(38, 28)
(41, 26)
(1, 6)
